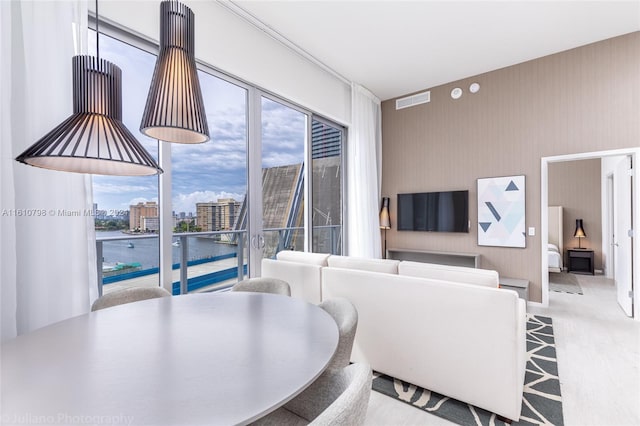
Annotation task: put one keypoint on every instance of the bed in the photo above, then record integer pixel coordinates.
(555, 246)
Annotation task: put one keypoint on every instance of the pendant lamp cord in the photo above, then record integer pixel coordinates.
(98, 57)
(97, 33)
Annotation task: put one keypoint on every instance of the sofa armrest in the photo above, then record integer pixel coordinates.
(303, 279)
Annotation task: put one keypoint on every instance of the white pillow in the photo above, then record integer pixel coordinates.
(553, 247)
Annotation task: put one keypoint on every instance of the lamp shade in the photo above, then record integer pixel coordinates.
(579, 232)
(175, 111)
(93, 139)
(385, 222)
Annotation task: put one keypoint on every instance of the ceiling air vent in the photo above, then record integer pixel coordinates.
(417, 99)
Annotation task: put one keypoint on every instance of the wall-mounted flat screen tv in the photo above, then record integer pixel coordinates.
(434, 211)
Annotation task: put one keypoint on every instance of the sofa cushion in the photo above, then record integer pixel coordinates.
(303, 257)
(304, 279)
(459, 274)
(387, 266)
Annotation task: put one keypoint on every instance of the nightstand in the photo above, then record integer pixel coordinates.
(580, 261)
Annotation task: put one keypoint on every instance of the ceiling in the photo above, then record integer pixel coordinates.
(398, 47)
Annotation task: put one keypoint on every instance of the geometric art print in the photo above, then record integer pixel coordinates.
(501, 212)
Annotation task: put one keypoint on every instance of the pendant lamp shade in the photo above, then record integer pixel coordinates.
(94, 139)
(175, 111)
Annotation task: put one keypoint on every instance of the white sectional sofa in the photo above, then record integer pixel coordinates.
(445, 328)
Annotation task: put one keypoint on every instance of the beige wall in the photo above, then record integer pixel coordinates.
(576, 186)
(583, 100)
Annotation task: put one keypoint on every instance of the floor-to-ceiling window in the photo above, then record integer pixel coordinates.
(327, 186)
(297, 207)
(208, 190)
(126, 207)
(284, 136)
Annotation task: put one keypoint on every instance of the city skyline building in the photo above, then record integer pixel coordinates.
(217, 216)
(150, 223)
(147, 209)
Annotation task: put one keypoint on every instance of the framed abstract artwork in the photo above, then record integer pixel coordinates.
(501, 212)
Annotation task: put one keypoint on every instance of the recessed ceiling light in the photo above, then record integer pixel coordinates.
(474, 88)
(456, 93)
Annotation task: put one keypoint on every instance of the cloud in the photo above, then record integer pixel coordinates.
(115, 192)
(283, 135)
(100, 187)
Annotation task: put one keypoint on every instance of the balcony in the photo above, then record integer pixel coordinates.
(202, 261)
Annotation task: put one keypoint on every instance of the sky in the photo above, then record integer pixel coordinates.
(200, 172)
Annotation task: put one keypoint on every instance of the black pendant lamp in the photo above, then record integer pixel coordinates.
(93, 139)
(175, 111)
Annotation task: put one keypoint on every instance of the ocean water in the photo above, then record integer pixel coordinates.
(147, 253)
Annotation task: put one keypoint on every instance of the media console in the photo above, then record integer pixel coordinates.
(470, 260)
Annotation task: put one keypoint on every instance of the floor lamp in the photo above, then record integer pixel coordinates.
(385, 222)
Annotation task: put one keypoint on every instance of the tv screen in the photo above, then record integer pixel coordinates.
(434, 211)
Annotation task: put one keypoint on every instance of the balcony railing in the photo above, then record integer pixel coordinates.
(202, 261)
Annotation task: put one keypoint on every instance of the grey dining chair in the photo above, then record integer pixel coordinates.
(346, 316)
(263, 285)
(338, 397)
(133, 294)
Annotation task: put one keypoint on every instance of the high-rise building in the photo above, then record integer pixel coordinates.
(140, 210)
(150, 223)
(217, 216)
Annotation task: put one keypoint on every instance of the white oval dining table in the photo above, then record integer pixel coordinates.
(198, 359)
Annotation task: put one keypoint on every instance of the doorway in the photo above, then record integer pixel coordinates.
(607, 224)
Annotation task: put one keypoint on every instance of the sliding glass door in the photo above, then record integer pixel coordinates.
(208, 189)
(301, 181)
(327, 186)
(284, 136)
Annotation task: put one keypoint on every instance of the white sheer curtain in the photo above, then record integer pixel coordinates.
(47, 248)
(364, 170)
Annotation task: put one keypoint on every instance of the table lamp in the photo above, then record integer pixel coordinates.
(579, 232)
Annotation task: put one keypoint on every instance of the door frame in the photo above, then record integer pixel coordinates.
(544, 215)
(609, 270)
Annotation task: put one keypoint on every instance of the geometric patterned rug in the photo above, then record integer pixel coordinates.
(564, 282)
(541, 402)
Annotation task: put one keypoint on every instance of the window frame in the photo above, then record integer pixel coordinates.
(253, 140)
